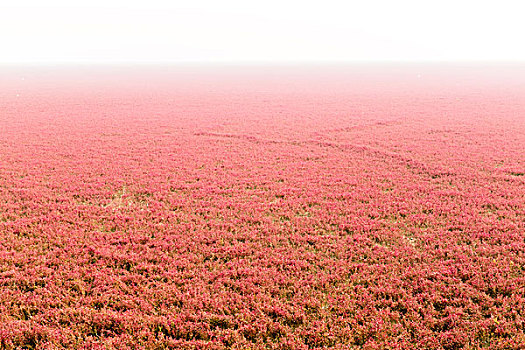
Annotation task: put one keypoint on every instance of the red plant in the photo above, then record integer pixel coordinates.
(323, 210)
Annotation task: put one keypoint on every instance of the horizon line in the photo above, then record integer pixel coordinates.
(252, 62)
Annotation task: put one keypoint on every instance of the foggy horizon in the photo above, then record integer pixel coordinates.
(119, 31)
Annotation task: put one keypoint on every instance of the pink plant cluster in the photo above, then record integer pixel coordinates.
(273, 212)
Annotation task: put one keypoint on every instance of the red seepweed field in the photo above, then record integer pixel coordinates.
(262, 207)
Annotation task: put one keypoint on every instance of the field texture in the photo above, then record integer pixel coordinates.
(262, 208)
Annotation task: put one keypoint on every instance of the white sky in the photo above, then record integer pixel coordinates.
(264, 30)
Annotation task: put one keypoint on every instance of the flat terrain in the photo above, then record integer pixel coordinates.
(262, 207)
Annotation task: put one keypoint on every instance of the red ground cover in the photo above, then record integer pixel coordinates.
(262, 208)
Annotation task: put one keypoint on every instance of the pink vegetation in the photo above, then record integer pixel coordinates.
(199, 209)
